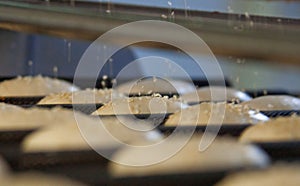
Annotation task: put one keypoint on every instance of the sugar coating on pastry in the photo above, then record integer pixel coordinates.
(269, 103)
(222, 154)
(141, 105)
(17, 118)
(277, 175)
(38, 179)
(80, 133)
(87, 96)
(205, 94)
(155, 85)
(276, 129)
(215, 113)
(34, 86)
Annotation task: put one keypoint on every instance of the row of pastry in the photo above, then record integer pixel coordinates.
(58, 91)
(60, 130)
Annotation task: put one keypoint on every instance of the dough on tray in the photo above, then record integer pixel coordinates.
(274, 130)
(271, 103)
(204, 94)
(34, 86)
(276, 175)
(80, 133)
(87, 96)
(212, 113)
(155, 85)
(222, 154)
(141, 105)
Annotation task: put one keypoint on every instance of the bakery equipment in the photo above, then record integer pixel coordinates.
(89, 19)
(267, 31)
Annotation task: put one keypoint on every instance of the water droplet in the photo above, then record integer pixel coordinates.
(229, 9)
(55, 71)
(164, 16)
(251, 23)
(185, 9)
(69, 51)
(247, 15)
(30, 63)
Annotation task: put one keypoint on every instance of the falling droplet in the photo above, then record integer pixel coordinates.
(229, 9)
(251, 23)
(55, 71)
(164, 16)
(185, 9)
(108, 10)
(69, 51)
(30, 63)
(110, 62)
(247, 15)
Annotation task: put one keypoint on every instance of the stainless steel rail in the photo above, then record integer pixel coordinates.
(269, 38)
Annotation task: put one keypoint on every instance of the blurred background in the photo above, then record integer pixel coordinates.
(256, 42)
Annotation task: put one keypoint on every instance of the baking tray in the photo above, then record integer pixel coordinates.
(264, 92)
(281, 151)
(84, 108)
(139, 116)
(171, 94)
(86, 166)
(22, 100)
(225, 129)
(277, 113)
(99, 82)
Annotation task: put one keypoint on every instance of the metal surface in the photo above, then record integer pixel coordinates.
(269, 38)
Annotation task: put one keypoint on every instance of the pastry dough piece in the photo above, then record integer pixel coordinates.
(141, 105)
(222, 154)
(17, 118)
(215, 113)
(34, 86)
(270, 103)
(87, 96)
(37, 179)
(277, 175)
(4, 168)
(277, 129)
(155, 85)
(204, 94)
(79, 134)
